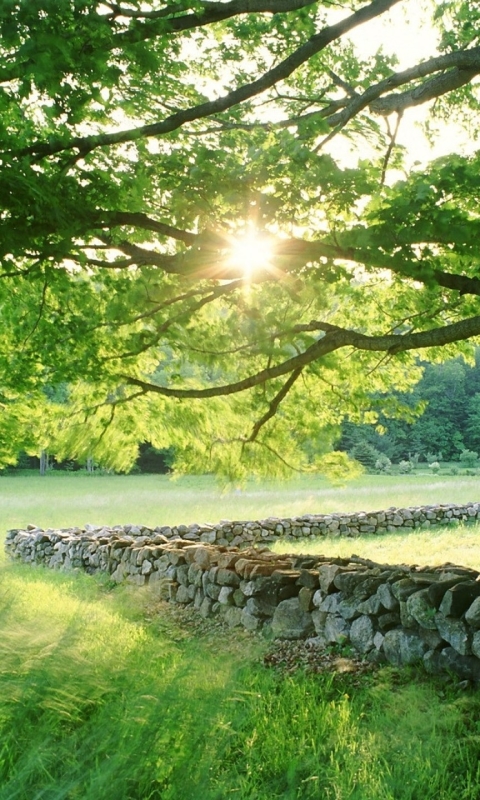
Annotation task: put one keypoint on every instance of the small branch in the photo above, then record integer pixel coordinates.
(273, 407)
(393, 137)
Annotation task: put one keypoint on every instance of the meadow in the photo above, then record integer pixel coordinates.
(107, 694)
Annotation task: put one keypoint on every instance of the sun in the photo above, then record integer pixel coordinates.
(250, 252)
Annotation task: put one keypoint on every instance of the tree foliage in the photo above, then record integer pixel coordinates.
(140, 140)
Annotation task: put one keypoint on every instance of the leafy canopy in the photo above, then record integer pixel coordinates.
(141, 140)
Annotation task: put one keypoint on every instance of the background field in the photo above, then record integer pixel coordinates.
(105, 694)
(66, 499)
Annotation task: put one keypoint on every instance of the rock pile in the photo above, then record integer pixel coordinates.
(400, 614)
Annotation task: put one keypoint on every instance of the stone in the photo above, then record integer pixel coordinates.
(370, 606)
(225, 596)
(250, 622)
(203, 557)
(261, 606)
(472, 614)
(476, 644)
(466, 667)
(403, 588)
(326, 575)
(309, 578)
(305, 597)
(422, 611)
(226, 577)
(362, 633)
(388, 621)
(290, 621)
(331, 603)
(182, 595)
(336, 628)
(406, 619)
(347, 608)
(454, 632)
(319, 618)
(348, 581)
(386, 597)
(403, 647)
(233, 617)
(457, 599)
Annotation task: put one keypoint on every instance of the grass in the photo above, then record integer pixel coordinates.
(104, 698)
(457, 545)
(65, 499)
(101, 701)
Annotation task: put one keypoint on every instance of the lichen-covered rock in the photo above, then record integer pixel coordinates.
(362, 633)
(290, 621)
(454, 631)
(420, 608)
(472, 615)
(336, 629)
(403, 647)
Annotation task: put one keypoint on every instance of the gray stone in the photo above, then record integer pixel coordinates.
(386, 597)
(362, 633)
(326, 574)
(233, 617)
(250, 622)
(213, 591)
(472, 615)
(370, 606)
(305, 597)
(182, 595)
(347, 608)
(406, 618)
(476, 644)
(378, 640)
(454, 632)
(336, 628)
(331, 603)
(319, 618)
(225, 596)
(290, 621)
(422, 611)
(466, 667)
(403, 647)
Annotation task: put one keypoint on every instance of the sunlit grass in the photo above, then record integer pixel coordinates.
(66, 499)
(434, 546)
(104, 695)
(100, 701)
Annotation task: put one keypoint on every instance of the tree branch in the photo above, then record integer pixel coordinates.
(335, 338)
(316, 43)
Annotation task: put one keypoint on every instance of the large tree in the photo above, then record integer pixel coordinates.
(142, 142)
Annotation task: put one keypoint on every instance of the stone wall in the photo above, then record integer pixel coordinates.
(246, 532)
(401, 614)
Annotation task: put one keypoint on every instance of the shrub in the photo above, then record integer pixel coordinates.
(365, 454)
(383, 464)
(405, 466)
(434, 466)
(469, 458)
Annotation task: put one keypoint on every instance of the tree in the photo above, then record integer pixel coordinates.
(141, 141)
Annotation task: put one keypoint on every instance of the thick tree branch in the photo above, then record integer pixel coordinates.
(169, 20)
(335, 338)
(85, 144)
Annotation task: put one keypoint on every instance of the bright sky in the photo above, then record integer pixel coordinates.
(402, 32)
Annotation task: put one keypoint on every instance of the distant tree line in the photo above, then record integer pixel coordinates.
(447, 430)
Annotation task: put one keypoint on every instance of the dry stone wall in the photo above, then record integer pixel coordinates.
(400, 614)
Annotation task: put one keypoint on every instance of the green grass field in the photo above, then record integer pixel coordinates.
(67, 499)
(104, 695)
